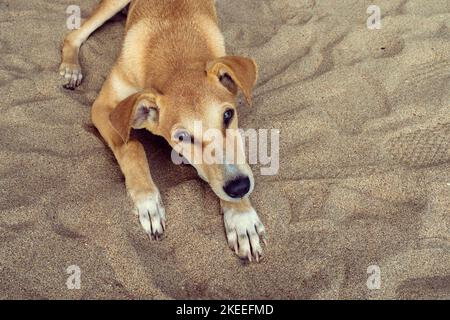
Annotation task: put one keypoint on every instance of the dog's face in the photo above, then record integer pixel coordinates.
(197, 116)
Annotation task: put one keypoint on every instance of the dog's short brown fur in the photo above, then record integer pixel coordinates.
(172, 71)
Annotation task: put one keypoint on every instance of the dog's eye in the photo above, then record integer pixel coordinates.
(184, 136)
(228, 116)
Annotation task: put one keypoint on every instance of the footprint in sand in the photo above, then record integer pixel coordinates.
(422, 148)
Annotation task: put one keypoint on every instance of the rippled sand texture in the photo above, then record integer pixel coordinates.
(365, 158)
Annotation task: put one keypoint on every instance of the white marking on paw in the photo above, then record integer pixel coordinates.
(244, 231)
(72, 74)
(152, 215)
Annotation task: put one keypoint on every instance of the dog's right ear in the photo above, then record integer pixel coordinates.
(135, 112)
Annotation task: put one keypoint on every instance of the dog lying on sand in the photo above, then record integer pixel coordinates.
(172, 72)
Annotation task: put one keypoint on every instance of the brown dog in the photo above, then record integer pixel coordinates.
(172, 72)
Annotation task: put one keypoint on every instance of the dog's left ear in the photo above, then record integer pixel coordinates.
(235, 73)
(135, 112)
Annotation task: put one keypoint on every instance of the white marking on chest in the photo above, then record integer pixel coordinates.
(122, 88)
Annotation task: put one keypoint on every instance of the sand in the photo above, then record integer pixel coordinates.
(364, 177)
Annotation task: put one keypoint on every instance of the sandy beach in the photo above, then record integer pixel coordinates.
(364, 174)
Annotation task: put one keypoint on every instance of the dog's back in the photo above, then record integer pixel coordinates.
(166, 35)
(169, 10)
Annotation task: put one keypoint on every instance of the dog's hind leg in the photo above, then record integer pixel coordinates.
(70, 67)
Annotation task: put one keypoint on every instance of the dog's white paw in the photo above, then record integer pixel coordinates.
(152, 215)
(72, 74)
(244, 233)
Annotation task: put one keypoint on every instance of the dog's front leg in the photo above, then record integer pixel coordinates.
(134, 165)
(141, 188)
(244, 229)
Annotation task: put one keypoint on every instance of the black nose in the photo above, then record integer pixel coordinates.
(238, 188)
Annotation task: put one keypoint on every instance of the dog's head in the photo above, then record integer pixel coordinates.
(196, 97)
